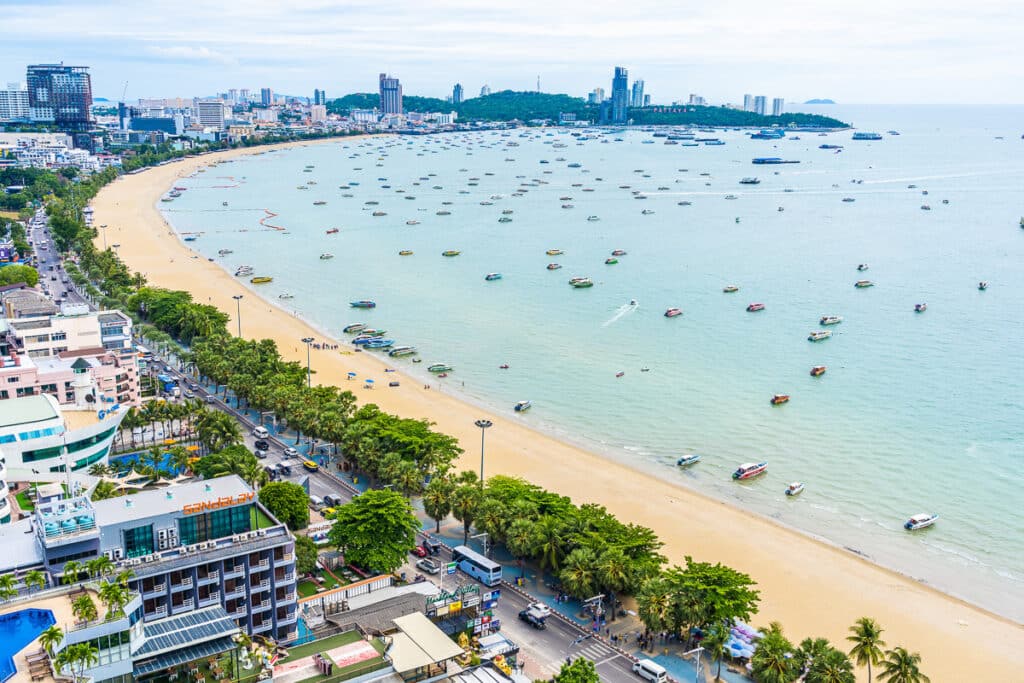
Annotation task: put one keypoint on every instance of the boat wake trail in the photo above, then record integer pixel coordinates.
(622, 310)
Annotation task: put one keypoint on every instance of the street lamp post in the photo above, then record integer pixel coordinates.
(104, 229)
(238, 313)
(309, 372)
(483, 425)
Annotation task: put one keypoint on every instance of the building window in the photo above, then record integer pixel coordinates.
(209, 526)
(13, 380)
(138, 541)
(25, 391)
(76, 446)
(59, 336)
(41, 454)
(4, 394)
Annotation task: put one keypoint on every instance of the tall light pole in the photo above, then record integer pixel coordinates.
(104, 228)
(238, 313)
(483, 425)
(309, 373)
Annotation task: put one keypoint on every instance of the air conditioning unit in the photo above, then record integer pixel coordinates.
(261, 532)
(118, 553)
(161, 534)
(162, 544)
(109, 554)
(235, 537)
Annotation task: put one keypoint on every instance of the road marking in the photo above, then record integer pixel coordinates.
(608, 659)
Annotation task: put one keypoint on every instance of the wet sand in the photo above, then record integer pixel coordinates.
(812, 587)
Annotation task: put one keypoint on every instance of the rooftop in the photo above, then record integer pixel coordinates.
(169, 500)
(27, 410)
(21, 548)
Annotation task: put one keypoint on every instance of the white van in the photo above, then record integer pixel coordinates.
(650, 670)
(316, 503)
(260, 432)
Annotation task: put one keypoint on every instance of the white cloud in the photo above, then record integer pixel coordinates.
(190, 53)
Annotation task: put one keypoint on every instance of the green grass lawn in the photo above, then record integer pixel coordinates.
(24, 502)
(259, 519)
(307, 587)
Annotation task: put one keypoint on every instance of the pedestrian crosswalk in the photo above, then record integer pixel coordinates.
(594, 651)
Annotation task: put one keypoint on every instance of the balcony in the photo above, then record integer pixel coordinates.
(209, 578)
(211, 599)
(181, 584)
(285, 597)
(183, 606)
(258, 566)
(265, 626)
(234, 572)
(258, 606)
(160, 611)
(155, 589)
(237, 592)
(287, 618)
(257, 587)
(281, 578)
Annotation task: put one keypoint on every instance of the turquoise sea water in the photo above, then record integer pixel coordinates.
(916, 413)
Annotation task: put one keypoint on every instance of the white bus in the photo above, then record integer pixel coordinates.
(487, 572)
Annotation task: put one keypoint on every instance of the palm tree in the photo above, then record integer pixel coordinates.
(51, 638)
(773, 660)
(71, 571)
(579, 573)
(867, 643)
(654, 604)
(830, 666)
(520, 541)
(99, 566)
(437, 500)
(114, 596)
(465, 502)
(35, 578)
(123, 577)
(8, 587)
(713, 643)
(900, 666)
(105, 489)
(84, 608)
(218, 430)
(180, 459)
(614, 574)
(811, 649)
(253, 473)
(85, 656)
(550, 541)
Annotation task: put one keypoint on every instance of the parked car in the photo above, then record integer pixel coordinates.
(333, 499)
(419, 551)
(262, 444)
(260, 453)
(316, 503)
(189, 394)
(429, 565)
(533, 619)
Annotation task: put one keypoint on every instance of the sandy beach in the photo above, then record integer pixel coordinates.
(811, 587)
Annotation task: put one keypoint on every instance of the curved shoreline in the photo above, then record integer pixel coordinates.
(813, 587)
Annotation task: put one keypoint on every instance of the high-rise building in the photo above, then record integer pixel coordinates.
(697, 100)
(317, 113)
(748, 102)
(319, 97)
(14, 103)
(596, 96)
(61, 95)
(620, 95)
(233, 95)
(457, 94)
(760, 104)
(210, 113)
(485, 91)
(243, 96)
(647, 100)
(636, 97)
(778, 105)
(266, 97)
(390, 95)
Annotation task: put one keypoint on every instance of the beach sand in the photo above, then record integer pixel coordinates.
(811, 587)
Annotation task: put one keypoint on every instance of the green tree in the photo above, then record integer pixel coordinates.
(288, 502)
(713, 643)
(218, 430)
(71, 571)
(105, 489)
(437, 499)
(14, 273)
(35, 579)
(867, 643)
(811, 649)
(466, 501)
(654, 604)
(520, 541)
(114, 596)
(900, 666)
(830, 666)
(614, 574)
(305, 555)
(579, 573)
(8, 587)
(99, 566)
(376, 530)
(84, 608)
(773, 660)
(704, 594)
(581, 670)
(51, 638)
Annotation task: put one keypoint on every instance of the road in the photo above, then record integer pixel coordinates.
(53, 279)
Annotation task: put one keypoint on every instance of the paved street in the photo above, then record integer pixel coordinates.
(52, 277)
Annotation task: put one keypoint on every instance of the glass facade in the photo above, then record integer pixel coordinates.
(209, 526)
(112, 648)
(138, 541)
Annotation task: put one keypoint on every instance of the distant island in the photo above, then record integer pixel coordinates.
(821, 101)
(509, 105)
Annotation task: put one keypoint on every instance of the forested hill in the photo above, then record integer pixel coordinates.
(509, 105)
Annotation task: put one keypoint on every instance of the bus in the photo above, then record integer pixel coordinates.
(487, 572)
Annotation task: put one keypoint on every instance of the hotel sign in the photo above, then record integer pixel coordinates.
(217, 503)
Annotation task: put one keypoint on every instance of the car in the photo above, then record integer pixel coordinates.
(271, 472)
(429, 566)
(419, 551)
(210, 399)
(290, 452)
(262, 444)
(189, 394)
(53, 277)
(539, 608)
(310, 465)
(533, 619)
(260, 453)
(328, 513)
(333, 499)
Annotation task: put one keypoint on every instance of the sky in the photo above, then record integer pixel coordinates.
(903, 51)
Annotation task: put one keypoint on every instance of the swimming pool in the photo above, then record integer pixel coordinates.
(19, 629)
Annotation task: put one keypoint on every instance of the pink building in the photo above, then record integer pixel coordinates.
(112, 378)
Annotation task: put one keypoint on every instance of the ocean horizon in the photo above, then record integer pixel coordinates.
(917, 412)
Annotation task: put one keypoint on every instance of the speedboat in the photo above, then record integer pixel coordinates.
(354, 327)
(261, 280)
(849, 200)
(611, 261)
(225, 252)
(326, 257)
(728, 289)
(818, 370)
(749, 470)
(503, 366)
(379, 213)
(619, 252)
(920, 521)
(412, 222)
(439, 367)
(593, 218)
(920, 308)
(554, 266)
(755, 307)
(982, 286)
(363, 303)
(795, 489)
(862, 267)
(581, 282)
(451, 252)
(378, 343)
(779, 399)
(492, 276)
(673, 312)
(831, 319)
(647, 212)
(285, 295)
(522, 406)
(504, 219)
(405, 252)
(554, 252)
(750, 181)
(819, 335)
(688, 459)
(332, 231)
(685, 203)
(620, 373)
(400, 351)
(861, 284)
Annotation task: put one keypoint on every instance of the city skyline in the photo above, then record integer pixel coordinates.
(880, 53)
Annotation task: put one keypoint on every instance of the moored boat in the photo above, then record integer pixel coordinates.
(332, 231)
(379, 213)
(354, 327)
(450, 252)
(728, 289)
(862, 284)
(326, 257)
(830, 319)
(755, 307)
(819, 335)
(818, 370)
(688, 459)
(261, 280)
(581, 282)
(795, 489)
(982, 286)
(611, 261)
(492, 276)
(405, 252)
(618, 252)
(920, 308)
(673, 312)
(750, 470)
(363, 303)
(862, 267)
(439, 367)
(554, 266)
(554, 252)
(920, 521)
(522, 406)
(779, 399)
(400, 351)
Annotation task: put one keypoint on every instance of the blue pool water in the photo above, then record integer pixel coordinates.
(19, 629)
(129, 459)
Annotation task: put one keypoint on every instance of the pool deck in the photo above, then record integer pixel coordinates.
(60, 605)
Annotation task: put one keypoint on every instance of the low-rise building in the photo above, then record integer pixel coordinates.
(112, 378)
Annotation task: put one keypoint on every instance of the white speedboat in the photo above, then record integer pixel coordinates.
(688, 459)
(831, 319)
(523, 406)
(819, 335)
(326, 257)
(795, 489)
(920, 521)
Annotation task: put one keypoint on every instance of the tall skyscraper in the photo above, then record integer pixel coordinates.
(748, 102)
(620, 95)
(210, 113)
(233, 95)
(457, 94)
(778, 105)
(60, 94)
(390, 95)
(319, 97)
(243, 96)
(647, 100)
(14, 103)
(760, 104)
(266, 97)
(485, 91)
(596, 96)
(636, 96)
